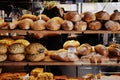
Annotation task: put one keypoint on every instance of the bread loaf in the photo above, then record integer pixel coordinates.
(102, 50)
(43, 17)
(80, 26)
(115, 16)
(3, 49)
(3, 57)
(30, 16)
(95, 25)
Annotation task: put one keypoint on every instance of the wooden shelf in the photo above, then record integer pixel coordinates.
(50, 63)
(24, 32)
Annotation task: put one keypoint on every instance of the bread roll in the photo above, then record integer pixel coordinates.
(71, 43)
(67, 25)
(45, 76)
(35, 57)
(43, 17)
(16, 48)
(115, 16)
(36, 71)
(54, 23)
(22, 41)
(89, 16)
(16, 57)
(95, 25)
(84, 49)
(39, 25)
(13, 25)
(3, 25)
(25, 23)
(102, 15)
(3, 57)
(3, 49)
(72, 16)
(30, 16)
(35, 48)
(102, 50)
(112, 25)
(80, 26)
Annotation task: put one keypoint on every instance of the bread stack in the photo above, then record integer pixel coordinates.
(35, 52)
(3, 52)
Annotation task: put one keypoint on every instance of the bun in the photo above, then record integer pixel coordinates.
(30, 16)
(13, 25)
(22, 41)
(25, 23)
(16, 57)
(3, 49)
(71, 43)
(67, 25)
(112, 25)
(95, 25)
(102, 50)
(72, 16)
(39, 25)
(3, 25)
(43, 17)
(84, 49)
(54, 23)
(16, 48)
(80, 26)
(3, 57)
(35, 57)
(102, 15)
(88, 17)
(35, 48)
(115, 16)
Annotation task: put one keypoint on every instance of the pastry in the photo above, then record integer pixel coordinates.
(16, 48)
(3, 49)
(89, 16)
(80, 26)
(67, 25)
(22, 41)
(38, 25)
(112, 25)
(16, 57)
(72, 16)
(95, 25)
(7, 41)
(102, 50)
(71, 43)
(36, 71)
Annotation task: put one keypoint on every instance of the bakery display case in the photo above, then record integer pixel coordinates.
(41, 37)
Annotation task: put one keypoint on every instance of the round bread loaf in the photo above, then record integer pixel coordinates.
(3, 57)
(80, 26)
(72, 16)
(95, 25)
(30, 16)
(112, 25)
(35, 57)
(71, 43)
(43, 17)
(16, 48)
(35, 48)
(13, 25)
(67, 25)
(89, 16)
(115, 16)
(38, 25)
(16, 57)
(84, 49)
(3, 49)
(102, 50)
(102, 15)
(25, 23)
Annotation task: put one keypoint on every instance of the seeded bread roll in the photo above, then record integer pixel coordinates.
(16, 48)
(3, 57)
(16, 57)
(3, 49)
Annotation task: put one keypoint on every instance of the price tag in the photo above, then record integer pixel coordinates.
(8, 19)
(72, 50)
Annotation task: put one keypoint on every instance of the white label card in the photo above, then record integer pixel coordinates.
(72, 50)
